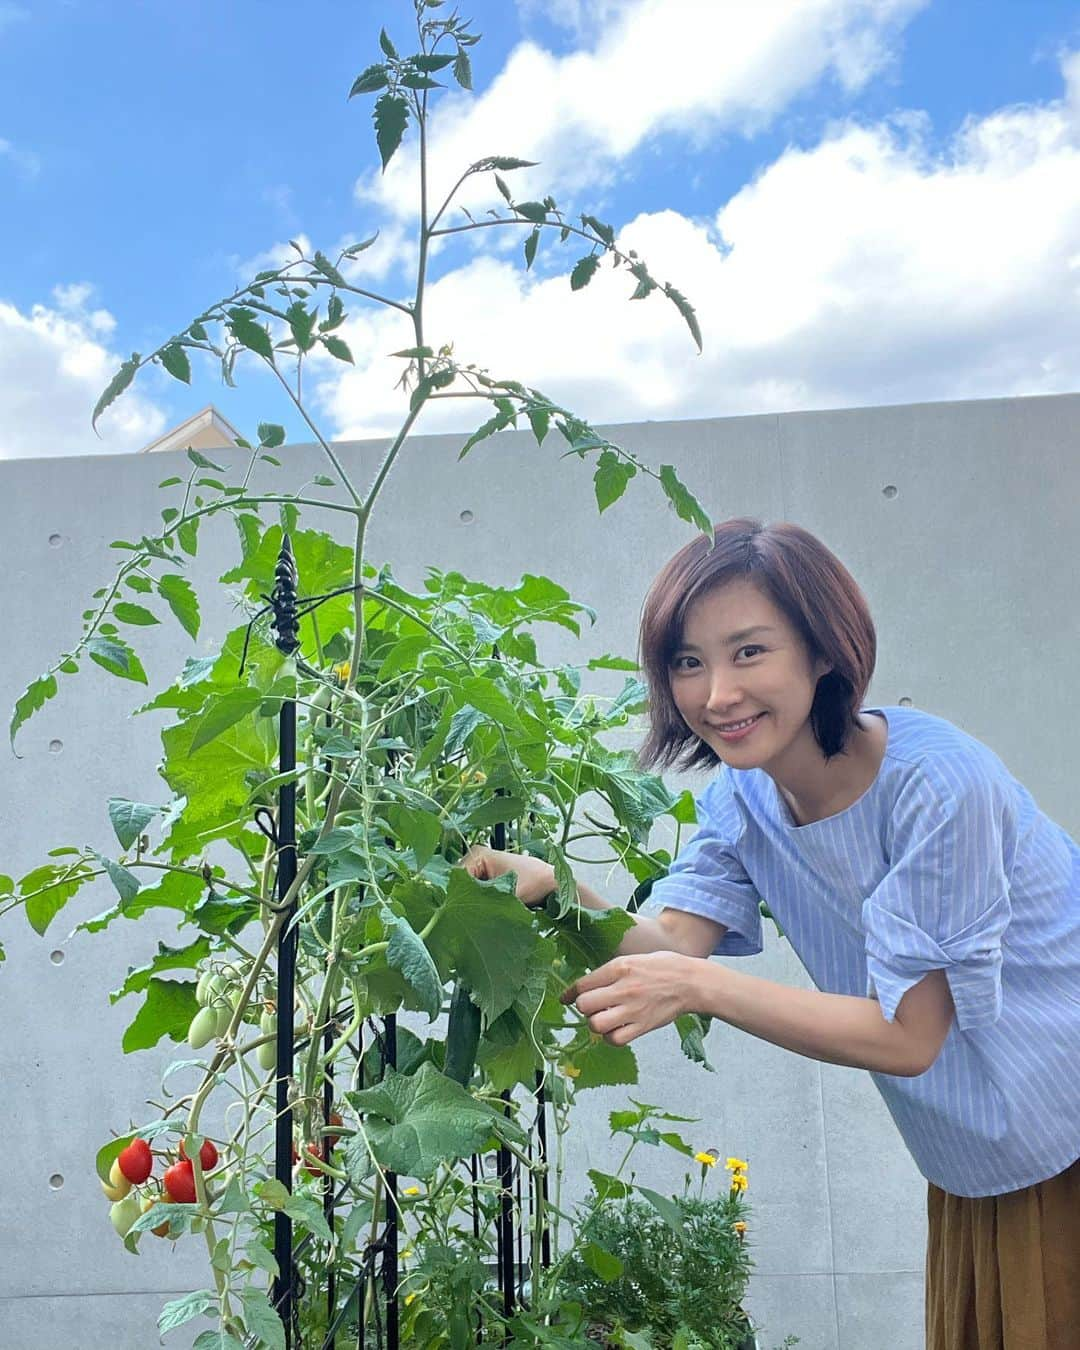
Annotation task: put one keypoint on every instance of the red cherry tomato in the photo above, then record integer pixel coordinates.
(179, 1182)
(136, 1161)
(331, 1139)
(208, 1154)
(313, 1151)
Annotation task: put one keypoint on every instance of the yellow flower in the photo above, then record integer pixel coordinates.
(571, 1071)
(739, 1181)
(343, 671)
(411, 1190)
(409, 1298)
(740, 1227)
(736, 1165)
(406, 1253)
(706, 1159)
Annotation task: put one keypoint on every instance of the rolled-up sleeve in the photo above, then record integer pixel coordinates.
(707, 877)
(944, 903)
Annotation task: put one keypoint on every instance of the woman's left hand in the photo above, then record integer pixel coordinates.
(635, 994)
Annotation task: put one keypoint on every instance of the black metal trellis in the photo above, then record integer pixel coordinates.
(381, 1275)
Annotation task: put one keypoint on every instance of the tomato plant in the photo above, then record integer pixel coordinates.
(428, 717)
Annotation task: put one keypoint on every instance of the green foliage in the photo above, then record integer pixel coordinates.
(683, 1274)
(427, 718)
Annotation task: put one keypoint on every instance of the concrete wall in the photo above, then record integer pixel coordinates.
(960, 522)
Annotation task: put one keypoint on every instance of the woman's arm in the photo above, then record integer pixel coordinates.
(671, 931)
(632, 995)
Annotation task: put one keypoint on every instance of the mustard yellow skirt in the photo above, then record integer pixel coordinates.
(1003, 1271)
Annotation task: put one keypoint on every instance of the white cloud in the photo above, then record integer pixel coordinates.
(26, 161)
(56, 362)
(866, 269)
(692, 66)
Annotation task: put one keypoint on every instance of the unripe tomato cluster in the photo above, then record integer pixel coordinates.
(134, 1166)
(218, 995)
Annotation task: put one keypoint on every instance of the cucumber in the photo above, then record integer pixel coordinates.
(462, 1036)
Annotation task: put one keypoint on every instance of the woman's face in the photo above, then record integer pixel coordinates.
(740, 659)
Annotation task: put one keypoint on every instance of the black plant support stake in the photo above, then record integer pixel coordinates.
(285, 622)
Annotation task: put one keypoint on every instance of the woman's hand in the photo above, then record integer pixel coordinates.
(635, 994)
(535, 879)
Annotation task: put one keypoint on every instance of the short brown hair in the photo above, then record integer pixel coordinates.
(806, 582)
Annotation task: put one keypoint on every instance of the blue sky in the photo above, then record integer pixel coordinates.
(825, 179)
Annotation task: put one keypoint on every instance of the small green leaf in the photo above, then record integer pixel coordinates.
(601, 1262)
(388, 47)
(687, 507)
(201, 462)
(539, 420)
(130, 819)
(686, 309)
(668, 1209)
(531, 242)
(271, 435)
(182, 1310)
(36, 696)
(250, 334)
(216, 1339)
(463, 69)
(337, 347)
(354, 249)
(430, 62)
(369, 81)
(175, 360)
(391, 116)
(179, 594)
(49, 888)
(584, 271)
(197, 331)
(534, 211)
(606, 233)
(126, 883)
(116, 386)
(115, 656)
(327, 268)
(611, 477)
(134, 614)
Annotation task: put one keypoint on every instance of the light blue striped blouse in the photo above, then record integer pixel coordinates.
(944, 863)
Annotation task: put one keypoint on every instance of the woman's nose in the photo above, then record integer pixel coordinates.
(724, 693)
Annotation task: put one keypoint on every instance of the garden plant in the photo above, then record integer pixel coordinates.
(426, 720)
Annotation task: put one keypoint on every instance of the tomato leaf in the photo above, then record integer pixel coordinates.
(115, 656)
(130, 819)
(34, 698)
(170, 1005)
(391, 116)
(222, 712)
(126, 612)
(179, 594)
(175, 360)
(116, 386)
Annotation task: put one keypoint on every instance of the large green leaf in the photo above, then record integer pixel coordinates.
(415, 1122)
(170, 1005)
(261, 1319)
(603, 1065)
(488, 698)
(686, 505)
(588, 938)
(222, 712)
(213, 779)
(485, 936)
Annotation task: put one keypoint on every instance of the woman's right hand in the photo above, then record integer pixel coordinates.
(535, 879)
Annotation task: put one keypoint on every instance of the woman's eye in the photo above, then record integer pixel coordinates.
(684, 663)
(751, 649)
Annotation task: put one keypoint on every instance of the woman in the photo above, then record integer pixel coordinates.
(935, 907)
